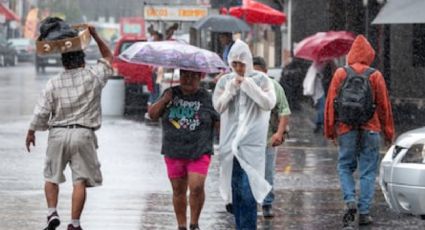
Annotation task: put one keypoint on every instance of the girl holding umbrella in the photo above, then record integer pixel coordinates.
(188, 120)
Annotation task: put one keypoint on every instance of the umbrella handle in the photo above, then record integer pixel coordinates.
(172, 79)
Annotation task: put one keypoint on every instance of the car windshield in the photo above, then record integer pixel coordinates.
(125, 45)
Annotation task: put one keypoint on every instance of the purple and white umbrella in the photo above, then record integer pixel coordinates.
(171, 54)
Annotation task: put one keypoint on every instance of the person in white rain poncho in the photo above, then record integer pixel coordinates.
(244, 99)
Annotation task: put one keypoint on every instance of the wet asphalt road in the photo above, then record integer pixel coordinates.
(136, 193)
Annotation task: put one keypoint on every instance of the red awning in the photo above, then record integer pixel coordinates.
(255, 13)
(8, 14)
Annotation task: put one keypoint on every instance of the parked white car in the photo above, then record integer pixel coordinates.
(402, 173)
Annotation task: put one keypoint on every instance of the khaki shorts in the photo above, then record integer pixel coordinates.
(76, 146)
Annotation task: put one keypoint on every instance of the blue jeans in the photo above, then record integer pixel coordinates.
(244, 204)
(365, 153)
(269, 173)
(320, 111)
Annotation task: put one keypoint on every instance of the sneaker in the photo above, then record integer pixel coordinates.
(53, 221)
(194, 227)
(365, 219)
(349, 217)
(147, 117)
(317, 129)
(71, 227)
(182, 228)
(229, 208)
(268, 211)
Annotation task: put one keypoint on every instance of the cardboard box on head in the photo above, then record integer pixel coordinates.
(79, 42)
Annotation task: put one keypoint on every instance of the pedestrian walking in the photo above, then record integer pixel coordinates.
(188, 121)
(291, 81)
(169, 32)
(357, 109)
(276, 134)
(316, 85)
(70, 109)
(324, 77)
(244, 99)
(226, 41)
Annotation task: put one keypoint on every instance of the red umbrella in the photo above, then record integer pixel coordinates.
(324, 46)
(254, 12)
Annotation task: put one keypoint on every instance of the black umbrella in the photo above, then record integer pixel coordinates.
(221, 23)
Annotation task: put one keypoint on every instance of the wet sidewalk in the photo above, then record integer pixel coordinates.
(136, 193)
(307, 190)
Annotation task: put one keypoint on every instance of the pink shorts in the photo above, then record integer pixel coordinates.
(177, 168)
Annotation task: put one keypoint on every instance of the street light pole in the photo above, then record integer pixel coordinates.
(289, 28)
(366, 7)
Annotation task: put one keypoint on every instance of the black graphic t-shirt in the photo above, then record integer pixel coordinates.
(188, 125)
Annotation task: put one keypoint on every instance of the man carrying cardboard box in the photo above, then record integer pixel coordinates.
(70, 109)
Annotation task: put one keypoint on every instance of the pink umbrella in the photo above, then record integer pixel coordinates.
(174, 55)
(324, 46)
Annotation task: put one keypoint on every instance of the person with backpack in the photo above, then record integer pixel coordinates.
(357, 110)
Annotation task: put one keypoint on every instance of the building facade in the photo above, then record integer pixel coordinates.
(399, 48)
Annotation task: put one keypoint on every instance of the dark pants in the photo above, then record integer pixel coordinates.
(244, 204)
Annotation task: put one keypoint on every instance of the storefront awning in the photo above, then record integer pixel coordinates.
(7, 13)
(255, 12)
(401, 12)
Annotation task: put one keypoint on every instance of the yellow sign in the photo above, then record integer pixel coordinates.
(169, 13)
(192, 13)
(156, 12)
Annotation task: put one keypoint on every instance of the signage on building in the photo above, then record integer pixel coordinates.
(175, 13)
(132, 26)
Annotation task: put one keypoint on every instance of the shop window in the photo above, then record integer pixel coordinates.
(418, 43)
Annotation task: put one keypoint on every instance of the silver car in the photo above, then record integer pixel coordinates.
(402, 173)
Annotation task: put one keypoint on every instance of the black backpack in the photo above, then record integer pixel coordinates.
(354, 104)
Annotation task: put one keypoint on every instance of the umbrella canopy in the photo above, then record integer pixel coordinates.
(221, 23)
(255, 12)
(324, 46)
(171, 54)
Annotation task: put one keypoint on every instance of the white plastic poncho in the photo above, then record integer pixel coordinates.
(312, 85)
(245, 113)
